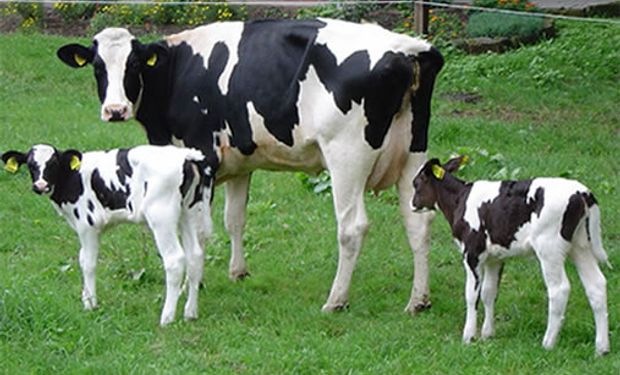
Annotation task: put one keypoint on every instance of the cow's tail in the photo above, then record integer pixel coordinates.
(426, 67)
(204, 188)
(594, 231)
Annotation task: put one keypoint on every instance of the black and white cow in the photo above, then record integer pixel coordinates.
(494, 220)
(165, 187)
(283, 95)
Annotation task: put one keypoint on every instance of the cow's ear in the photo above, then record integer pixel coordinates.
(13, 160)
(154, 55)
(455, 163)
(72, 159)
(75, 55)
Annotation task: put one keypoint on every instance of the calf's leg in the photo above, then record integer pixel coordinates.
(472, 291)
(234, 220)
(488, 294)
(89, 241)
(163, 224)
(595, 286)
(194, 256)
(551, 257)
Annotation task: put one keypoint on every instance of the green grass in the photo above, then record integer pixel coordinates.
(549, 109)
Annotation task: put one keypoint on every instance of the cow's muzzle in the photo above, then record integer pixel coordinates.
(41, 187)
(115, 112)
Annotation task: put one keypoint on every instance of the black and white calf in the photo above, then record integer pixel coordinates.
(494, 220)
(283, 95)
(162, 186)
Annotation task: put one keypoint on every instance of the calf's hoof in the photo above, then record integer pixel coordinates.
(238, 275)
(335, 307)
(602, 350)
(190, 315)
(416, 308)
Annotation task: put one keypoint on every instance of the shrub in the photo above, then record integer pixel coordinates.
(161, 14)
(348, 11)
(74, 11)
(504, 25)
(506, 4)
(30, 13)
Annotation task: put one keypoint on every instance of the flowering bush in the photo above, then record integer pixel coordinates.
(445, 25)
(30, 13)
(162, 14)
(506, 4)
(74, 11)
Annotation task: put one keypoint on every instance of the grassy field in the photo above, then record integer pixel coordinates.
(550, 109)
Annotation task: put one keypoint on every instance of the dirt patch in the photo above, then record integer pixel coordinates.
(463, 97)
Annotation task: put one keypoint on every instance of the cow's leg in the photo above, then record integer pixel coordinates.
(488, 294)
(418, 227)
(163, 223)
(472, 292)
(348, 182)
(551, 258)
(234, 220)
(595, 286)
(89, 241)
(194, 255)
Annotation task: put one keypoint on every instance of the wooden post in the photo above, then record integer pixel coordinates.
(420, 18)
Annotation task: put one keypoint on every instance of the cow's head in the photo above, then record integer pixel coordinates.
(424, 184)
(120, 62)
(47, 166)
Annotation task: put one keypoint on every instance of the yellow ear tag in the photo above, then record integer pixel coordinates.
(438, 171)
(75, 163)
(11, 166)
(79, 60)
(152, 60)
(464, 160)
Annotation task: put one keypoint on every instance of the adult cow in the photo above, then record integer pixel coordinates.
(283, 95)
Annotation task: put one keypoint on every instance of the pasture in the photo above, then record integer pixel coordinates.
(544, 110)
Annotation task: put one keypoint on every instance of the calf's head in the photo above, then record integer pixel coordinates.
(47, 166)
(425, 182)
(119, 61)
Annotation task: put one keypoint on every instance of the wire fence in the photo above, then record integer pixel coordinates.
(314, 3)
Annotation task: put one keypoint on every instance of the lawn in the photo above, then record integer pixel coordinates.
(549, 109)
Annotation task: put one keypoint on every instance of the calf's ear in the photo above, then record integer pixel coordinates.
(72, 159)
(455, 163)
(13, 160)
(75, 55)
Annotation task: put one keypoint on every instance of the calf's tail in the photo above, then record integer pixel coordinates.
(205, 188)
(594, 231)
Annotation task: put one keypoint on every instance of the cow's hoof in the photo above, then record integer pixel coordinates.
(330, 308)
(602, 351)
(238, 275)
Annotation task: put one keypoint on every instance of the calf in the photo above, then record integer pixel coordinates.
(162, 186)
(494, 220)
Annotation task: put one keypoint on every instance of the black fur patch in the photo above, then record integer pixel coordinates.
(503, 217)
(108, 197)
(76, 213)
(124, 168)
(575, 211)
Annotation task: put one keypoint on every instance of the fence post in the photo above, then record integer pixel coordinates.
(420, 18)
